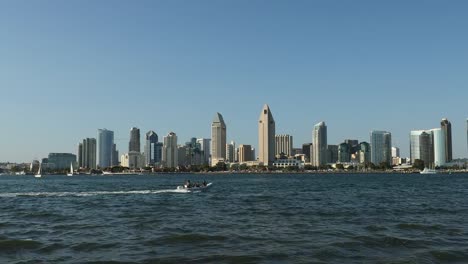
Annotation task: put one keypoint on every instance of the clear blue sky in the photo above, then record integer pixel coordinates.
(68, 68)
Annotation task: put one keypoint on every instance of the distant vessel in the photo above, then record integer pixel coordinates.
(199, 188)
(39, 171)
(428, 171)
(71, 173)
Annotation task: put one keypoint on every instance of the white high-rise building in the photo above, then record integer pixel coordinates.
(170, 150)
(381, 147)
(395, 152)
(438, 135)
(218, 139)
(319, 144)
(284, 145)
(266, 137)
(230, 149)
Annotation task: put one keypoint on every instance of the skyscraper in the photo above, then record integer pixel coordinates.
(115, 156)
(319, 144)
(230, 155)
(218, 139)
(88, 153)
(344, 154)
(80, 154)
(153, 149)
(381, 147)
(283, 145)
(134, 144)
(438, 136)
(364, 153)
(105, 143)
(266, 137)
(245, 153)
(205, 148)
(395, 152)
(170, 150)
(306, 147)
(446, 126)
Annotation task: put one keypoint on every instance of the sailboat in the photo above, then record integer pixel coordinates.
(71, 173)
(39, 171)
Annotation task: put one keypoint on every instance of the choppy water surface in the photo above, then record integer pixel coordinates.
(241, 219)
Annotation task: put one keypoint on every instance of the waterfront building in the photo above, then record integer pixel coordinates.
(170, 151)
(306, 150)
(218, 139)
(266, 137)
(182, 156)
(353, 146)
(254, 158)
(132, 160)
(245, 153)
(193, 153)
(88, 154)
(381, 147)
(319, 141)
(446, 127)
(80, 154)
(438, 136)
(285, 163)
(153, 149)
(134, 144)
(332, 153)
(61, 160)
(344, 155)
(205, 148)
(105, 142)
(115, 155)
(283, 145)
(230, 155)
(364, 153)
(395, 152)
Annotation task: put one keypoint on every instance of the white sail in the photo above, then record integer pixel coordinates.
(39, 171)
(71, 170)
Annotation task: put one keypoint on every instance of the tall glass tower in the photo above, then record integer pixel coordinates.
(105, 142)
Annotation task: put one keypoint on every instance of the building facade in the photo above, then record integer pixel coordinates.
(61, 160)
(218, 139)
(395, 152)
(446, 127)
(170, 156)
(245, 153)
(230, 152)
(381, 147)
(205, 146)
(88, 154)
(266, 136)
(153, 149)
(306, 150)
(284, 145)
(332, 153)
(364, 153)
(344, 154)
(134, 143)
(105, 142)
(319, 141)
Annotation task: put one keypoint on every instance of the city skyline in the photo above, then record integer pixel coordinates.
(358, 69)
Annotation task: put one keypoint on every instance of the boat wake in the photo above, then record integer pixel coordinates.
(81, 194)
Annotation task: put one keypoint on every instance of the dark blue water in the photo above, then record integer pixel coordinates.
(241, 219)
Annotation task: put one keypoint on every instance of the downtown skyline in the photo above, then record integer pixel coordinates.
(71, 68)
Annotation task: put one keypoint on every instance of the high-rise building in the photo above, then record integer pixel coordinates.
(446, 126)
(266, 137)
(245, 153)
(332, 153)
(205, 148)
(395, 152)
(306, 147)
(153, 149)
(319, 141)
(438, 136)
(134, 144)
(364, 153)
(115, 155)
(381, 147)
(132, 160)
(218, 139)
(344, 154)
(170, 151)
(80, 155)
(193, 153)
(284, 145)
(182, 156)
(353, 145)
(105, 143)
(230, 155)
(88, 154)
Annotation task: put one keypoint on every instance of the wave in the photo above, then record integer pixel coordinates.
(92, 193)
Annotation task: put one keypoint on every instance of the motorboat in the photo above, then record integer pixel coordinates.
(195, 188)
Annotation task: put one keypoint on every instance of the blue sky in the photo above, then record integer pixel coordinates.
(68, 68)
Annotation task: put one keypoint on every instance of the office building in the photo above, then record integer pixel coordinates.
(80, 154)
(395, 152)
(446, 127)
(344, 155)
(266, 137)
(153, 149)
(133, 160)
(205, 148)
(284, 145)
(319, 141)
(61, 160)
(230, 155)
(364, 153)
(170, 156)
(438, 137)
(105, 143)
(306, 150)
(88, 154)
(381, 147)
(115, 155)
(134, 144)
(245, 153)
(332, 154)
(218, 139)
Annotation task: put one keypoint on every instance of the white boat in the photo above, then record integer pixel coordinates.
(428, 171)
(39, 171)
(71, 173)
(200, 188)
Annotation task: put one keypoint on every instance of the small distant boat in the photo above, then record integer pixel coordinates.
(39, 171)
(428, 171)
(71, 173)
(199, 188)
